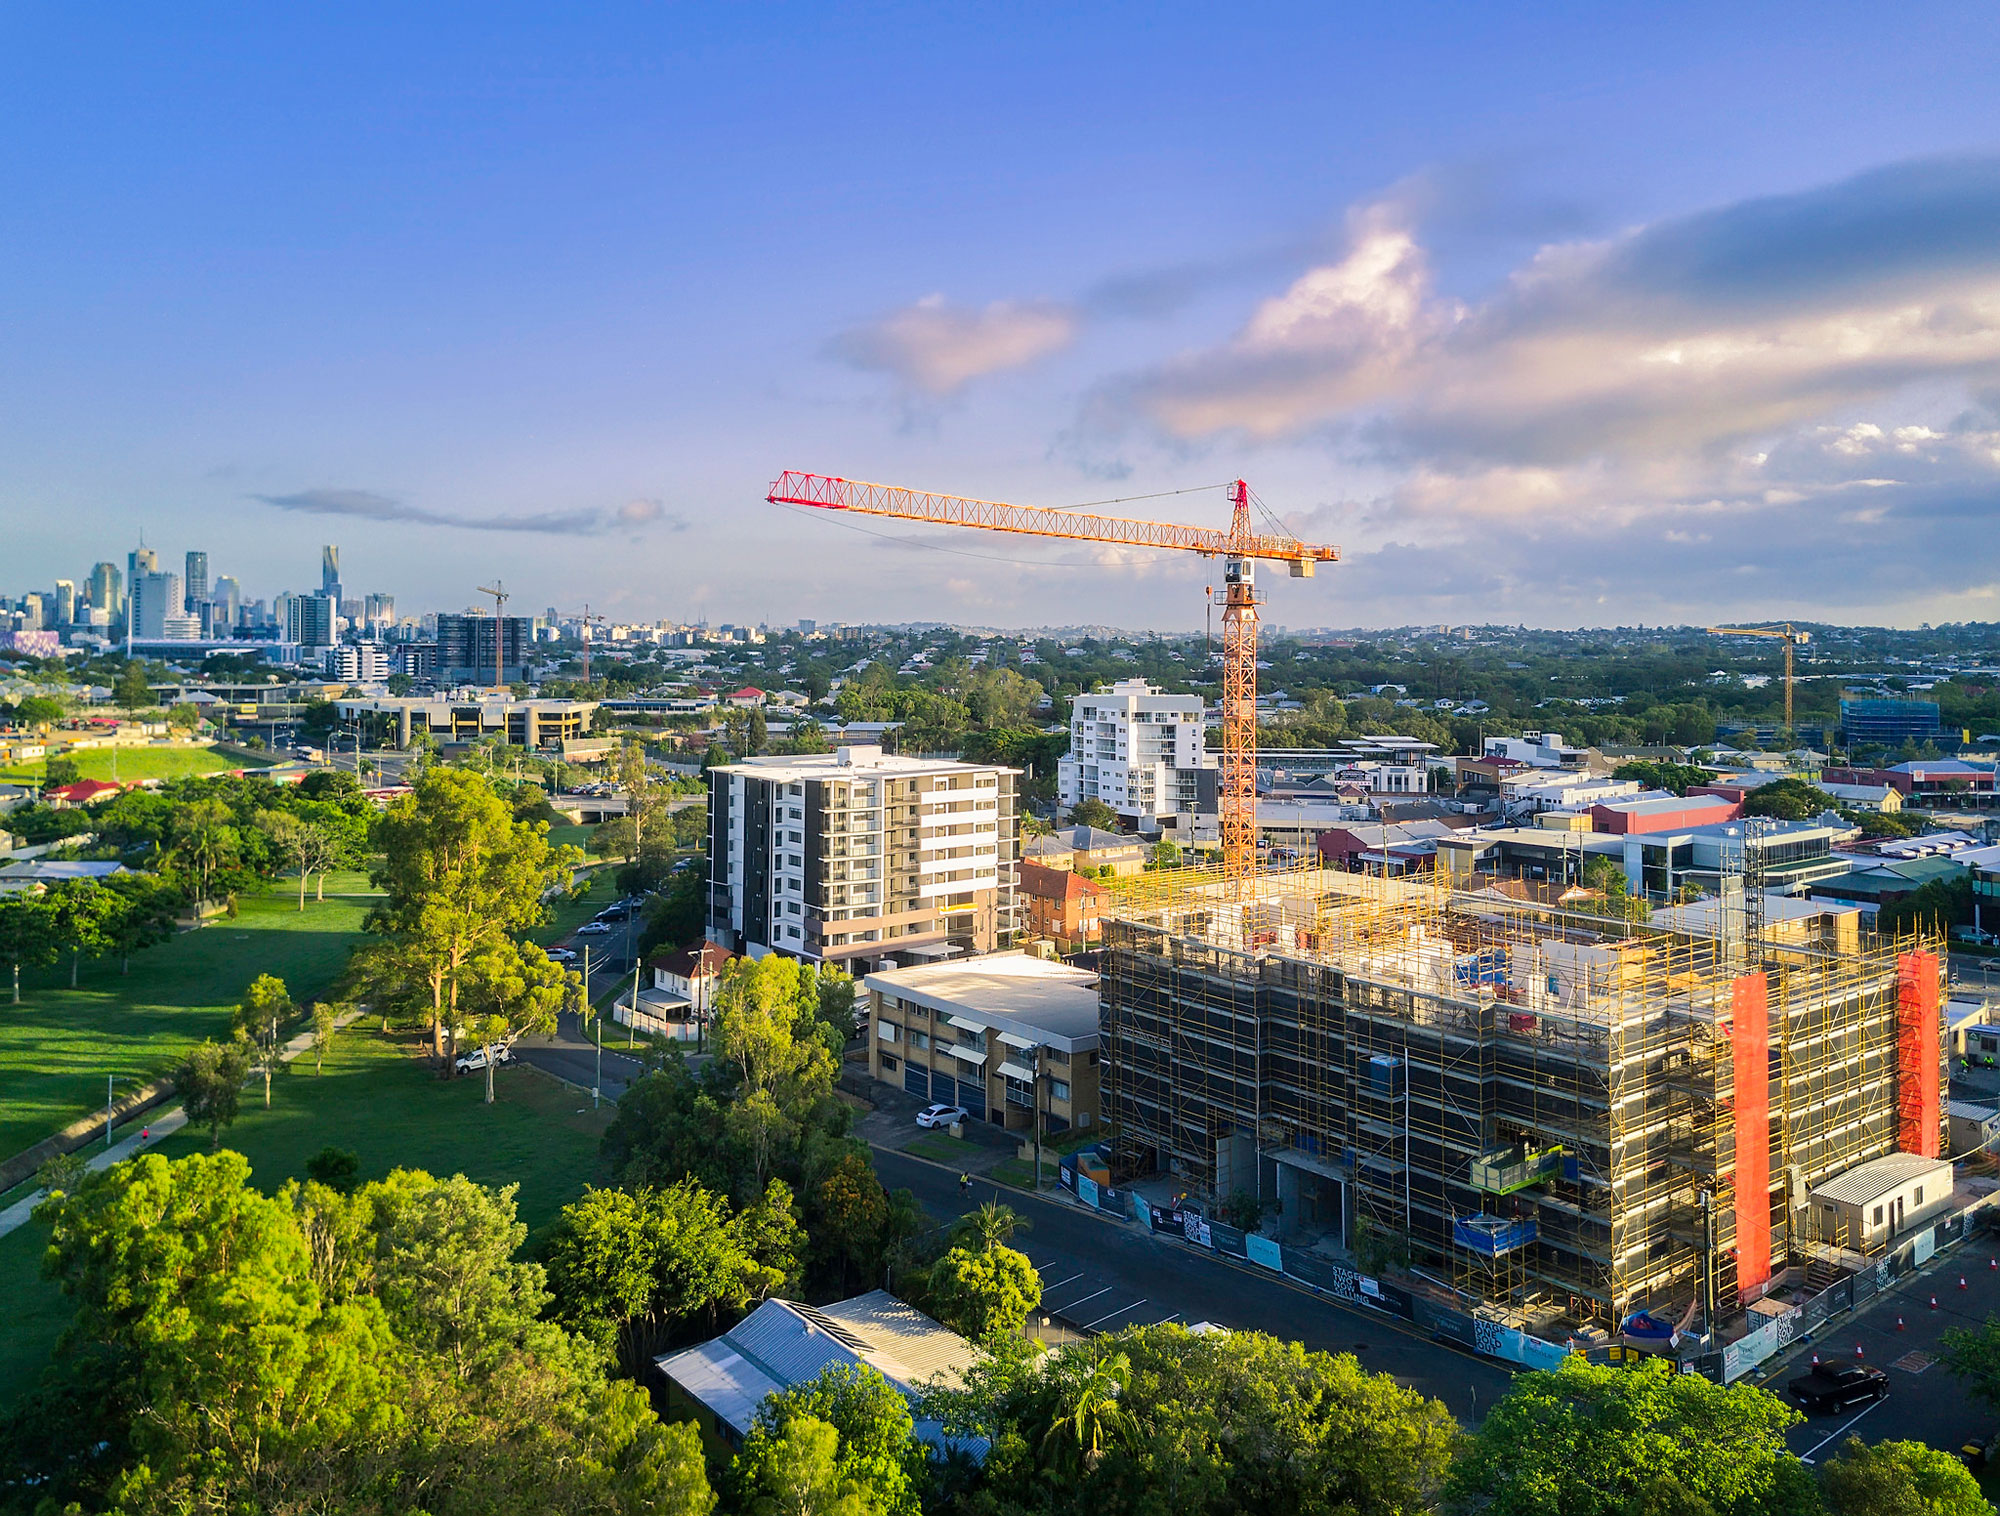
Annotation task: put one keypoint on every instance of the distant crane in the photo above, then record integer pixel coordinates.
(1784, 633)
(588, 620)
(500, 598)
(1239, 548)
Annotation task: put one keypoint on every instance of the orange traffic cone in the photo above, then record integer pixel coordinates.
(1899, 1323)
(1857, 1351)
(1961, 1281)
(1815, 1362)
(1934, 1302)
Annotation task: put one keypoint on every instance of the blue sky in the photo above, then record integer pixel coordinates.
(1579, 317)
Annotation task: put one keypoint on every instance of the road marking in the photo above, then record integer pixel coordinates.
(1807, 1456)
(1092, 1296)
(1061, 1282)
(1168, 1320)
(1119, 1312)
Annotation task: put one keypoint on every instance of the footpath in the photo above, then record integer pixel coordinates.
(154, 1130)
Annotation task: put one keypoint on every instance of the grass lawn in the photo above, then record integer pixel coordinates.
(386, 1106)
(1020, 1172)
(941, 1147)
(568, 834)
(58, 1044)
(144, 763)
(338, 882)
(568, 915)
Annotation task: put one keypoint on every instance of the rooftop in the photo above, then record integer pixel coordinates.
(858, 760)
(1002, 992)
(1877, 1177)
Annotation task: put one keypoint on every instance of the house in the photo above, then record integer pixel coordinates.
(1875, 885)
(21, 876)
(1375, 846)
(1885, 798)
(1086, 847)
(1974, 1127)
(84, 792)
(747, 698)
(1063, 906)
(783, 1344)
(677, 1002)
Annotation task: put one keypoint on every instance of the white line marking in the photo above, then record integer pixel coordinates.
(1807, 1456)
(1168, 1320)
(1092, 1296)
(1061, 1282)
(1119, 1312)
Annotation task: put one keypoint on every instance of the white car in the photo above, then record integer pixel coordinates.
(594, 929)
(473, 1060)
(560, 955)
(941, 1115)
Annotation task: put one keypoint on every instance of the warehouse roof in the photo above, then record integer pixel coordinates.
(1877, 1177)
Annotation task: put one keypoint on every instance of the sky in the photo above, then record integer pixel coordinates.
(1569, 315)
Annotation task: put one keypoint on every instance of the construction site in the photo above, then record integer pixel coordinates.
(1562, 1117)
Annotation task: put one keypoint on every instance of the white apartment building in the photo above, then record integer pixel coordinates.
(1141, 751)
(358, 663)
(861, 857)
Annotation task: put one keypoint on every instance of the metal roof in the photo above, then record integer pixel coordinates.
(1877, 1177)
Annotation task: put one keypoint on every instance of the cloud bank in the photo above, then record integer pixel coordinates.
(939, 348)
(589, 521)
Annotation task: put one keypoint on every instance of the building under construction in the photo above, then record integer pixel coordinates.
(1564, 1115)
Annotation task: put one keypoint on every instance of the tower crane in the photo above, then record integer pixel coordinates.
(1239, 548)
(500, 598)
(588, 621)
(1790, 638)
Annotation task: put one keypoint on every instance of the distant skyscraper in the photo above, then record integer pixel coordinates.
(141, 560)
(309, 621)
(228, 599)
(65, 602)
(159, 609)
(107, 590)
(197, 580)
(329, 572)
(379, 610)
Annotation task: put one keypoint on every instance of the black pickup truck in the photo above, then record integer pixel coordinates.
(1837, 1384)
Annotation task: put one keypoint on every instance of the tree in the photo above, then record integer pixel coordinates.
(336, 1168)
(27, 935)
(62, 1173)
(765, 1015)
(992, 1225)
(460, 876)
(150, 905)
(875, 1448)
(1972, 1354)
(38, 710)
(1584, 1440)
(1093, 812)
(132, 691)
(984, 1294)
(85, 919)
(1166, 854)
(521, 989)
(57, 772)
(797, 1473)
(210, 1084)
(308, 847)
(266, 1003)
(677, 916)
(184, 717)
(205, 845)
(1899, 1479)
(628, 1268)
(325, 1022)
(1788, 800)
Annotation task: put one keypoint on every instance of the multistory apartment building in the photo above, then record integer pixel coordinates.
(158, 609)
(309, 621)
(1141, 751)
(196, 585)
(465, 648)
(358, 662)
(860, 856)
(107, 590)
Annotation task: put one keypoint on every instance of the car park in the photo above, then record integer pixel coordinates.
(940, 1115)
(1837, 1384)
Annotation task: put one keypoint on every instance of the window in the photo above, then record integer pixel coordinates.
(888, 1031)
(1058, 1089)
(1878, 1215)
(1920, 1196)
(919, 1041)
(889, 1065)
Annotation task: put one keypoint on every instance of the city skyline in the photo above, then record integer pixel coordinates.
(1651, 320)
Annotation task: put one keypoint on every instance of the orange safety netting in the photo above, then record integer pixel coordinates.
(1917, 1052)
(1750, 1045)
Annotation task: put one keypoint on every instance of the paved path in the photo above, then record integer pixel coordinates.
(151, 1131)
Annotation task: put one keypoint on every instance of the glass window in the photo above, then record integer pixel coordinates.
(1920, 1196)
(1058, 1089)
(1878, 1215)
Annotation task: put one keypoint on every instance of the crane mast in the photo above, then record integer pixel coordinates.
(1240, 547)
(1783, 633)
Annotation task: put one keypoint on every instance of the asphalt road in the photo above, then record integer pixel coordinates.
(1101, 1276)
(572, 1055)
(1925, 1403)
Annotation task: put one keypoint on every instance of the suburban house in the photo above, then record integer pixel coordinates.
(1086, 847)
(678, 1001)
(1062, 905)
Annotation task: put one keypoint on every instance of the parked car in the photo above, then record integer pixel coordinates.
(614, 912)
(473, 1061)
(561, 954)
(594, 929)
(941, 1115)
(1837, 1384)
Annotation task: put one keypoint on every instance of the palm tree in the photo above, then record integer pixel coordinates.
(1089, 1418)
(989, 1227)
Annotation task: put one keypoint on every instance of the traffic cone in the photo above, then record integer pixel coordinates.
(1857, 1351)
(1815, 1362)
(1899, 1323)
(1934, 1302)
(1961, 1281)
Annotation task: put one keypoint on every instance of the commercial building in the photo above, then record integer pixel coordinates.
(1141, 751)
(465, 648)
(1003, 1036)
(309, 621)
(1568, 1118)
(861, 855)
(529, 724)
(159, 610)
(358, 662)
(1888, 723)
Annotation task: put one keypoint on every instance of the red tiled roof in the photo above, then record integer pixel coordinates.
(683, 964)
(1045, 883)
(83, 791)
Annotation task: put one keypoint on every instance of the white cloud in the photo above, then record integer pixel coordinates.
(938, 347)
